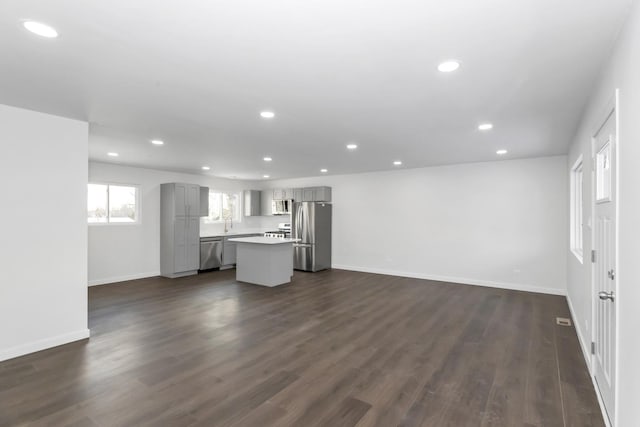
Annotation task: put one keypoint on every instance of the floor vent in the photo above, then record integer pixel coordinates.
(563, 321)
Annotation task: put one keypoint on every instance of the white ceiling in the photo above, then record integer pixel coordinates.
(197, 73)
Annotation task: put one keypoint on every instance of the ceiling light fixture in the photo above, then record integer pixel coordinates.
(206, 168)
(157, 142)
(324, 170)
(265, 176)
(267, 114)
(40, 29)
(267, 159)
(397, 163)
(485, 126)
(448, 66)
(352, 146)
(112, 154)
(501, 152)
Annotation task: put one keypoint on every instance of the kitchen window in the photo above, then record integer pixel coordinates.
(223, 206)
(576, 209)
(112, 204)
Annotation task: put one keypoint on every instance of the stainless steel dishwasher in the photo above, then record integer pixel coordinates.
(210, 252)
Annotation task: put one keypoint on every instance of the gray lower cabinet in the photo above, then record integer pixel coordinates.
(229, 249)
(179, 229)
(229, 252)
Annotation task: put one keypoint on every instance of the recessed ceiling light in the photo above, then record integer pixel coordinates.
(268, 114)
(206, 168)
(448, 66)
(267, 159)
(265, 176)
(324, 170)
(397, 163)
(40, 29)
(112, 154)
(352, 146)
(157, 142)
(485, 126)
(501, 152)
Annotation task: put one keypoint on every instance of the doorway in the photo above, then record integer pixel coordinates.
(604, 257)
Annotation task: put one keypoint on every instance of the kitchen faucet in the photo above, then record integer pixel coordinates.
(230, 223)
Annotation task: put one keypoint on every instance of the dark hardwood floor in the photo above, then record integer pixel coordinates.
(335, 348)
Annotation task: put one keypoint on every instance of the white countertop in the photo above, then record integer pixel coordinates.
(235, 233)
(261, 240)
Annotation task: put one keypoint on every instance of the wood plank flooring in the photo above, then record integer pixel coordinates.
(334, 348)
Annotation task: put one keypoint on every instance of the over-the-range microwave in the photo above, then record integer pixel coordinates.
(281, 207)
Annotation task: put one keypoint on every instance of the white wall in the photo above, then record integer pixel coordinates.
(497, 224)
(129, 251)
(622, 72)
(43, 244)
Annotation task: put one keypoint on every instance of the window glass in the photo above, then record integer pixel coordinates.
(576, 210)
(223, 206)
(112, 204)
(122, 204)
(97, 204)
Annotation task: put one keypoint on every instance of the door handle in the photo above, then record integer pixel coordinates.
(603, 295)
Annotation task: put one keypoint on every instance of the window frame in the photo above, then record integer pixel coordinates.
(138, 206)
(576, 219)
(207, 219)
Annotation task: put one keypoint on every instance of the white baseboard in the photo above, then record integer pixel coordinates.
(584, 344)
(116, 279)
(43, 344)
(461, 280)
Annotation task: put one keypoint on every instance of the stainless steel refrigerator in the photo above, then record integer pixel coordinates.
(311, 223)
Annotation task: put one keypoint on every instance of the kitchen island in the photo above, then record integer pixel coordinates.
(266, 261)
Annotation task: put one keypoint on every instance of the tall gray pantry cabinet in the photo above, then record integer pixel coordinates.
(179, 229)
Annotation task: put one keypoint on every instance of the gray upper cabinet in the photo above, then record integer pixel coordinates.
(179, 229)
(307, 195)
(251, 203)
(297, 194)
(266, 197)
(282, 193)
(204, 201)
(288, 193)
(322, 194)
(278, 194)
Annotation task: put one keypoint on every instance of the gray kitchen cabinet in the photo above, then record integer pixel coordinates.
(266, 197)
(278, 194)
(204, 201)
(297, 194)
(229, 251)
(287, 193)
(322, 194)
(179, 229)
(307, 194)
(251, 203)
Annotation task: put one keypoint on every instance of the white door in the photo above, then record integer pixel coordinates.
(604, 268)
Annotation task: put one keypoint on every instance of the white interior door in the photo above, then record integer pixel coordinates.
(604, 268)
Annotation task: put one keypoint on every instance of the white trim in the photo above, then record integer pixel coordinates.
(578, 167)
(458, 280)
(586, 346)
(116, 279)
(43, 344)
